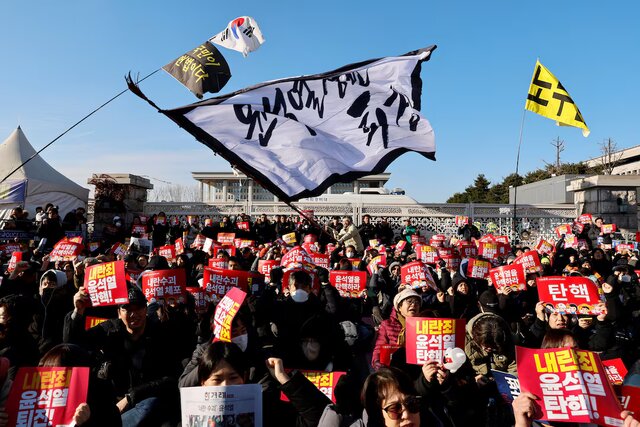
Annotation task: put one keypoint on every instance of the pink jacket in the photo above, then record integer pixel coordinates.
(387, 334)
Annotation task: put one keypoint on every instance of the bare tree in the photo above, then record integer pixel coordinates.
(610, 156)
(559, 146)
(175, 193)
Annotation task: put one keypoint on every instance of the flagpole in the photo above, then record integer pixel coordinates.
(74, 125)
(515, 187)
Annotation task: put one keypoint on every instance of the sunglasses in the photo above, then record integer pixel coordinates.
(411, 404)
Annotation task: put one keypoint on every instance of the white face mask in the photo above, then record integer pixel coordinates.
(350, 254)
(625, 278)
(241, 341)
(311, 350)
(299, 295)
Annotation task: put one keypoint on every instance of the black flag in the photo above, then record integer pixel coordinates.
(204, 69)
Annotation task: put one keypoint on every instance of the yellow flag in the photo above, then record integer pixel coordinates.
(549, 98)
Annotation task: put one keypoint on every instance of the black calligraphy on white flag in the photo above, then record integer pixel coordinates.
(297, 136)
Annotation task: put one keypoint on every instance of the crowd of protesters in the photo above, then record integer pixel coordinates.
(146, 351)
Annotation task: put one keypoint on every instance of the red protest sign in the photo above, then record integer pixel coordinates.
(106, 284)
(571, 385)
(487, 238)
(544, 247)
(65, 250)
(321, 260)
(243, 225)
(16, 257)
(462, 221)
(138, 229)
(243, 243)
(616, 371)
(119, 249)
(386, 352)
(164, 285)
(132, 274)
(569, 294)
(226, 310)
(350, 284)
(427, 254)
(167, 251)
(400, 247)
(488, 250)
(585, 219)
(629, 397)
(570, 241)
(201, 299)
(452, 262)
(477, 268)
(578, 228)
(380, 260)
(46, 396)
(179, 246)
(530, 261)
(608, 228)
(437, 240)
(296, 257)
(427, 338)
(90, 322)
(467, 250)
(512, 276)
(503, 249)
(417, 275)
(563, 229)
(217, 282)
(265, 266)
(218, 263)
(226, 238)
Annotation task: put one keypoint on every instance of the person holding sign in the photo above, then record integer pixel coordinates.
(145, 384)
(406, 303)
(99, 409)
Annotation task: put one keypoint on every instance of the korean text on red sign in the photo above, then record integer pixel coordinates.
(417, 275)
(428, 338)
(226, 310)
(164, 285)
(350, 284)
(572, 385)
(477, 268)
(106, 284)
(512, 276)
(46, 396)
(570, 294)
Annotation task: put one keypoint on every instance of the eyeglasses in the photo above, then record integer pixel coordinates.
(411, 404)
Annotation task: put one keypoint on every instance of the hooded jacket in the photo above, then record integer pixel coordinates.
(483, 362)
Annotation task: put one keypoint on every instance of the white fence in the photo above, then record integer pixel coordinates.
(532, 222)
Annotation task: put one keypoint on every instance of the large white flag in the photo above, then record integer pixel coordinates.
(242, 34)
(298, 136)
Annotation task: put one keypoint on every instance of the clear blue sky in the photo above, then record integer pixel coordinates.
(62, 59)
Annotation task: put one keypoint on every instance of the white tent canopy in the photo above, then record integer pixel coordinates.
(44, 183)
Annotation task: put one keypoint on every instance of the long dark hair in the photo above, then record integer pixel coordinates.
(222, 351)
